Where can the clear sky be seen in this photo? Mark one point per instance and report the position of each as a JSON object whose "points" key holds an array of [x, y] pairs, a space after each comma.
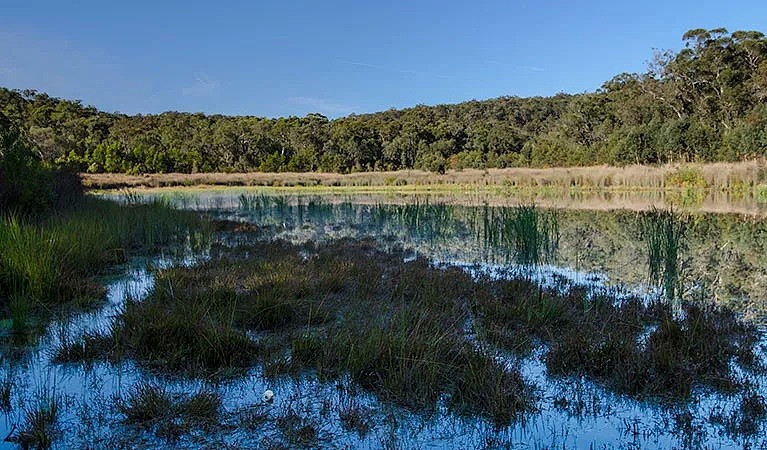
{"points": [[280, 58]]}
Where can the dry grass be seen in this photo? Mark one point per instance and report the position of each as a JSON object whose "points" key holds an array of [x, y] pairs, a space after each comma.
{"points": [[728, 176]]}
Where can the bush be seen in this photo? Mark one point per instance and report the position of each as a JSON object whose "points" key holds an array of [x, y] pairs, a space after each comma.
{"points": [[25, 185]]}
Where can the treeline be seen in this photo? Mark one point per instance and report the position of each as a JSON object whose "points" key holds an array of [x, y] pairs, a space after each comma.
{"points": [[707, 102], [28, 187]]}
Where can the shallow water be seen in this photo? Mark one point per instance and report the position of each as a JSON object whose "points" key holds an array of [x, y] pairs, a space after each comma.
{"points": [[723, 255], [602, 250]]}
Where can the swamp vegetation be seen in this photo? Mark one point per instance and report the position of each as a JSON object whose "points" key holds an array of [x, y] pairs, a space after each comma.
{"points": [[158, 321]]}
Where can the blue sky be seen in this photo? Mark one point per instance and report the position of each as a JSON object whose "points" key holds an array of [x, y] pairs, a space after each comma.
{"points": [[334, 57]]}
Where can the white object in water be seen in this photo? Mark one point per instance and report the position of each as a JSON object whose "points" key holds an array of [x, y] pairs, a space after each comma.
{"points": [[268, 395]]}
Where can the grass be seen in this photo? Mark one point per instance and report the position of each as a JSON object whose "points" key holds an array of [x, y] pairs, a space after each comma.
{"points": [[355, 417], [643, 350], [746, 420], [395, 327], [53, 259], [399, 330], [40, 426], [169, 415], [299, 430], [664, 233]]}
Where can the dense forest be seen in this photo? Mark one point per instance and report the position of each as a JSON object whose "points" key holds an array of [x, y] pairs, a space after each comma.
{"points": [[706, 102]]}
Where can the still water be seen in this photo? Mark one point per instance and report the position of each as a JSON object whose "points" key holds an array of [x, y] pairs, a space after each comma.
{"points": [[722, 256]]}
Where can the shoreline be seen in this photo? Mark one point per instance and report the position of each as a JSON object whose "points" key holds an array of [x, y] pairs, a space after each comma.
{"points": [[742, 176]]}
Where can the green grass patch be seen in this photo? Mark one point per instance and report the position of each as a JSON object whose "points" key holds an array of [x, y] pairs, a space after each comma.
{"points": [[53, 259]]}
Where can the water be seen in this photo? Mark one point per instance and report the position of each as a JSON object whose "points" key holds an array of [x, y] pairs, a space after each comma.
{"points": [[602, 250], [723, 254]]}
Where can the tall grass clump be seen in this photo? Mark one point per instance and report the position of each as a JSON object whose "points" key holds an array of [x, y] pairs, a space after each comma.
{"points": [[31, 262], [664, 232], [535, 235], [52, 259], [524, 232], [169, 415]]}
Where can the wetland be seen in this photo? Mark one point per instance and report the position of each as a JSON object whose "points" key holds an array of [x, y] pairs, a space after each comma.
{"points": [[398, 321]]}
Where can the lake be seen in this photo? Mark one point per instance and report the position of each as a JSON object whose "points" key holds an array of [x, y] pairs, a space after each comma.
{"points": [[587, 243]]}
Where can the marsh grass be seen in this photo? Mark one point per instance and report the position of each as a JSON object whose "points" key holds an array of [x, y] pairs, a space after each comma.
{"points": [[298, 429], [642, 349], [713, 176], [664, 233], [354, 416], [169, 415], [398, 330], [349, 309], [40, 426], [53, 259], [746, 420], [183, 336]]}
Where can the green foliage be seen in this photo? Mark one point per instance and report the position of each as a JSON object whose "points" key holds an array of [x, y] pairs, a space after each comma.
{"points": [[703, 103], [50, 259], [25, 186], [686, 178]]}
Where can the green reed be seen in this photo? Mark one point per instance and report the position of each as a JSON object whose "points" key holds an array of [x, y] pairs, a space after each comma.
{"points": [[52, 259], [664, 235]]}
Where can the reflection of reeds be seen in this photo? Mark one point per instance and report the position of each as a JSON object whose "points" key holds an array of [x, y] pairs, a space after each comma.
{"points": [[536, 236], [525, 232], [664, 231]]}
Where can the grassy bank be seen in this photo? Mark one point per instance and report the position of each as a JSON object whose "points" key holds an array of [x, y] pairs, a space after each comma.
{"points": [[54, 239], [744, 176], [53, 258]]}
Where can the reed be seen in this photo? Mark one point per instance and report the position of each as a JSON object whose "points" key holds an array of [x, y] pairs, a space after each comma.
{"points": [[664, 233], [51, 260]]}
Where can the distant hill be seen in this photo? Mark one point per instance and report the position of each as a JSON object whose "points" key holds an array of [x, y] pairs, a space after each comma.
{"points": [[707, 102]]}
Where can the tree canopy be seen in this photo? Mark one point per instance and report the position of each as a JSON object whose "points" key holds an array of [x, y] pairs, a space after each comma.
{"points": [[706, 102]]}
